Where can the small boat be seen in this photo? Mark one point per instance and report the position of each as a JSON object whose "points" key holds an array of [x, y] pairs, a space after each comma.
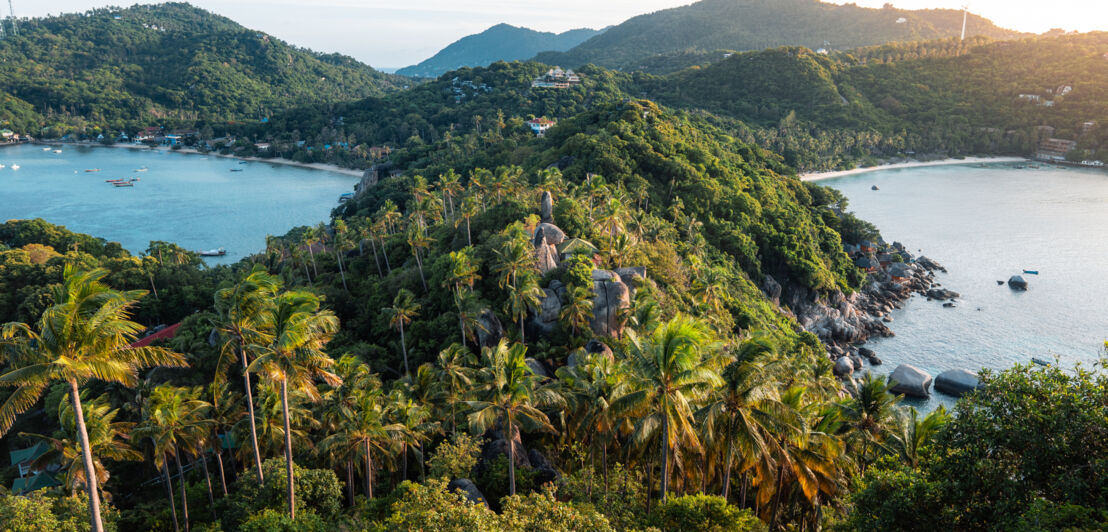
{"points": [[1, 166], [143, 169], [133, 179], [15, 167], [1031, 272], [236, 169], [123, 184], [114, 180], [213, 252], [91, 170], [243, 162], [46, 148], [1040, 361], [874, 187], [57, 151]]}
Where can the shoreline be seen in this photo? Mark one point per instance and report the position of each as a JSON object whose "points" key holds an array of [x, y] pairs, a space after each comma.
{"points": [[820, 176], [191, 151]]}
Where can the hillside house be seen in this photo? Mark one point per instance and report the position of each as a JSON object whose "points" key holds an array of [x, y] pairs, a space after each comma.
{"points": [[540, 125], [262, 146], [556, 78], [1033, 98], [1053, 149], [1063, 90]]}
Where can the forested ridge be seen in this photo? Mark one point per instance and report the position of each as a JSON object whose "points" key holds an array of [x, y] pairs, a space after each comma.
{"points": [[163, 65]]}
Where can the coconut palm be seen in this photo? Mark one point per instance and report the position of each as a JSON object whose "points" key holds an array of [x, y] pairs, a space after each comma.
{"points": [[403, 310], [414, 422], [523, 296], [468, 211], [451, 187], [665, 375], [242, 311], [176, 422], [363, 429], [294, 356], [588, 387], [454, 373], [871, 414], [108, 440], [460, 277], [419, 241], [84, 336], [226, 411], [577, 311], [511, 395], [271, 420], [340, 244], [912, 433]]}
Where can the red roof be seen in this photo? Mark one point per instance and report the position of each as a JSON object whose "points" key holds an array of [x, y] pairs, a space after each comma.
{"points": [[164, 334], [541, 121]]}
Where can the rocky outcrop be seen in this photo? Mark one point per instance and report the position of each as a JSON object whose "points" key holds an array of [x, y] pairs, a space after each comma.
{"points": [[1017, 282], [843, 367], [544, 472], [545, 321], [612, 297], [957, 382], [497, 445], [468, 489], [538, 368], [942, 294], [911, 381], [546, 207], [489, 329], [546, 239]]}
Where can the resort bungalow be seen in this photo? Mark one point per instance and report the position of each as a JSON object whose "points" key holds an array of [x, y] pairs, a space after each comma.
{"points": [[867, 247], [262, 146], [575, 246], [540, 125], [867, 264], [25, 485], [898, 271], [23, 458]]}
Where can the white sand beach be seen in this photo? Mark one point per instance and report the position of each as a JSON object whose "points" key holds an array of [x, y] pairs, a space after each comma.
{"points": [[818, 176]]}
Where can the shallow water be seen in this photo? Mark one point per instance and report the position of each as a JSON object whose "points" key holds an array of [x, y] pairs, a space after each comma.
{"points": [[195, 201], [985, 225]]}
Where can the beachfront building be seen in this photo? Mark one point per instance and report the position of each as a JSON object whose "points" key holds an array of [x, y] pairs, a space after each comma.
{"points": [[1053, 149]]}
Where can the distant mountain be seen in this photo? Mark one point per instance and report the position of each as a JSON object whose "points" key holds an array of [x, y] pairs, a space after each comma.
{"points": [[498, 43], [759, 24], [168, 64]]}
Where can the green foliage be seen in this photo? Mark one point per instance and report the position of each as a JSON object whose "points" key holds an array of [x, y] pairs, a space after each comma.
{"points": [[542, 512], [493, 481], [455, 458], [431, 508], [317, 490], [270, 520], [38, 511], [707, 513]]}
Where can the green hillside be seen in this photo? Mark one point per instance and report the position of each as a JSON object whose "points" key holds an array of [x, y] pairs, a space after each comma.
{"points": [[757, 24], [501, 42], [168, 63]]}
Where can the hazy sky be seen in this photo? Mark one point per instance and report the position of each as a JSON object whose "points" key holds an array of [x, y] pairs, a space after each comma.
{"points": [[390, 33]]}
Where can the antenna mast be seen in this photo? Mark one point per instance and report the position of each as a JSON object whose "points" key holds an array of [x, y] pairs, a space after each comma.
{"points": [[11, 10], [965, 9]]}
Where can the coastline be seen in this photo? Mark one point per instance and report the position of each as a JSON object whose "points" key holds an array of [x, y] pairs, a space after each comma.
{"points": [[819, 176], [190, 151]]}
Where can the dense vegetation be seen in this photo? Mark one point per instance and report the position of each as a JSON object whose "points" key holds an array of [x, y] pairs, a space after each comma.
{"points": [[165, 65], [757, 24], [501, 42]]}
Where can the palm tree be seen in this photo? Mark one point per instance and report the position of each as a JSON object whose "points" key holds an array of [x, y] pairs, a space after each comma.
{"points": [[665, 373], [468, 212], [308, 239], [341, 244], [294, 355], [913, 433], [108, 439], [176, 422], [511, 393], [461, 276], [588, 387], [418, 241], [453, 371], [870, 413], [413, 420], [84, 336], [242, 311], [577, 312], [451, 187], [523, 296], [403, 309], [363, 429], [226, 411]]}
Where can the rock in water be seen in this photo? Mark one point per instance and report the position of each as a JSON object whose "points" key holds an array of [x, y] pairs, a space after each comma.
{"points": [[874, 187], [546, 207], [957, 382], [1017, 282], [469, 489], [911, 380]]}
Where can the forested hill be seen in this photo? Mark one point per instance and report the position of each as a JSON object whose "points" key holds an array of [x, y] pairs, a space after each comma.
{"points": [[149, 65], [501, 42], [757, 24]]}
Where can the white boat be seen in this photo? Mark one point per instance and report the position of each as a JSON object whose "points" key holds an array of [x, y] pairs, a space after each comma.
{"points": [[57, 151], [15, 167], [213, 252], [1, 166], [46, 148], [143, 169]]}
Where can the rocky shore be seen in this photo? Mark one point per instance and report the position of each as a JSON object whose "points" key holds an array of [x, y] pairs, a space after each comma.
{"points": [[845, 321]]}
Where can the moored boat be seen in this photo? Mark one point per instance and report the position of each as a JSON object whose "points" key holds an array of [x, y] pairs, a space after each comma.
{"points": [[1031, 272], [1040, 361], [15, 167], [91, 170], [57, 151], [123, 184], [213, 252]]}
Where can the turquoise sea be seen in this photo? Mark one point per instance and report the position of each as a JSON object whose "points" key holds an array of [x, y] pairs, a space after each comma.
{"points": [[193, 200], [985, 224]]}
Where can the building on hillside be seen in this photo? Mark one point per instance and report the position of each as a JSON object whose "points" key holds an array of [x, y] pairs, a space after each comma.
{"points": [[540, 125], [23, 458], [1053, 149], [1034, 98], [262, 146], [1063, 90], [556, 78], [1088, 126], [6, 134]]}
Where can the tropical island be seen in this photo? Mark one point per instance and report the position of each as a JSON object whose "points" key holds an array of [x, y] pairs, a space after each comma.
{"points": [[637, 318]]}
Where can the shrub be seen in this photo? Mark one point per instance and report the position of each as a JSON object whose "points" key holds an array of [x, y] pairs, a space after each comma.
{"points": [[430, 508], [317, 490], [704, 513], [455, 458], [38, 511], [270, 520], [541, 512]]}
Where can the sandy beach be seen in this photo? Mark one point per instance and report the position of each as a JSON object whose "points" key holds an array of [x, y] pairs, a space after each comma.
{"points": [[190, 151], [818, 176]]}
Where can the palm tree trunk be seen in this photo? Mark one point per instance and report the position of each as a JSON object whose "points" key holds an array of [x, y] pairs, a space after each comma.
{"points": [[469, 235], [368, 471], [253, 423], [385, 253], [404, 461], [665, 454], [730, 455], [288, 447], [342, 271], [307, 273], [169, 491], [184, 487], [376, 260], [776, 497], [404, 348], [511, 459], [219, 462], [208, 480], [419, 264], [350, 482], [742, 490], [312, 254], [86, 457]]}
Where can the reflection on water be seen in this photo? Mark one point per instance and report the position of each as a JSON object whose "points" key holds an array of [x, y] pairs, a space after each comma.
{"points": [[193, 200]]}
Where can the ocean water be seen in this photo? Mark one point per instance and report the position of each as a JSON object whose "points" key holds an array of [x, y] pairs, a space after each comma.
{"points": [[985, 224], [193, 200]]}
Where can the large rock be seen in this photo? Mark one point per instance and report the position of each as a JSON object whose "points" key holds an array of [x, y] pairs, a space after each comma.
{"points": [[468, 489], [497, 445], [544, 472], [546, 258], [545, 321], [1017, 282], [957, 382], [489, 329], [612, 297], [546, 207], [941, 294], [596, 347], [631, 272], [911, 380], [844, 367], [538, 368], [551, 233]]}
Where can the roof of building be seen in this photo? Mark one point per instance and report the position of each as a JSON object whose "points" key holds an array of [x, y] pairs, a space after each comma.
{"points": [[577, 245], [32, 483], [164, 334], [30, 453], [541, 121]]}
